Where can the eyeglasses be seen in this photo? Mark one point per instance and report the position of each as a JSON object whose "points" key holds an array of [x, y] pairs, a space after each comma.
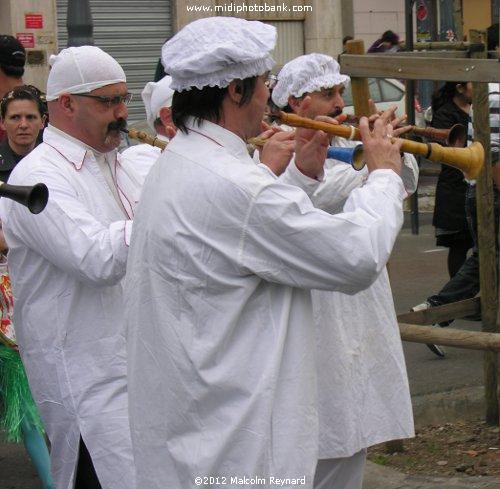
{"points": [[109, 101], [271, 81]]}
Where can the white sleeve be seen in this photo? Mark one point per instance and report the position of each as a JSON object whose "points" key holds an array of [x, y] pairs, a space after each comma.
{"points": [[285, 239], [68, 235], [409, 173]]}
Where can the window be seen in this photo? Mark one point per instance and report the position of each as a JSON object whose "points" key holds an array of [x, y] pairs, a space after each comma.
{"points": [[390, 92]]}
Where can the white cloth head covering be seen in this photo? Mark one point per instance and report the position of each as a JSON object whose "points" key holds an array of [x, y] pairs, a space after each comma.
{"points": [[81, 70], [155, 96], [217, 50], [307, 74]]}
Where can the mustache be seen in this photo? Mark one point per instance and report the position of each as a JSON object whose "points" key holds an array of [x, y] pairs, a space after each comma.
{"points": [[118, 125], [336, 112]]}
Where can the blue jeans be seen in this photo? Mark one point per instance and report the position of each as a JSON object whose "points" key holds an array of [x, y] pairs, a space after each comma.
{"points": [[465, 284]]}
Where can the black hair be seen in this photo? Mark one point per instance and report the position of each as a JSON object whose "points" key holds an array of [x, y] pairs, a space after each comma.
{"points": [[12, 56], [492, 34], [445, 94], [390, 36], [206, 103], [24, 92], [347, 38]]}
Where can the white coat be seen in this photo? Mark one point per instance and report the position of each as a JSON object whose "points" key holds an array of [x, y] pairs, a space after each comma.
{"points": [[66, 266], [139, 159], [222, 380], [363, 391]]}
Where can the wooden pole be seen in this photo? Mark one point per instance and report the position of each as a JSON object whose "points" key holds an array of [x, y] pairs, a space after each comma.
{"points": [[471, 340], [486, 237], [359, 86]]}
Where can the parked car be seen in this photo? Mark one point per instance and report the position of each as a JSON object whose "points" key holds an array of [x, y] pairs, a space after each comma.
{"points": [[385, 93]]}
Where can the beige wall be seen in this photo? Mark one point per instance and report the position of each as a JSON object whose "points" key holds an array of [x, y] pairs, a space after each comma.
{"points": [[373, 17], [322, 26], [13, 22], [477, 14]]}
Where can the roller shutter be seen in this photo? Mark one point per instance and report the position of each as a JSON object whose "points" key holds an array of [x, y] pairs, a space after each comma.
{"points": [[132, 31]]}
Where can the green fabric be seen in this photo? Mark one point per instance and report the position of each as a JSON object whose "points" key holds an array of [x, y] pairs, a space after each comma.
{"points": [[17, 405]]}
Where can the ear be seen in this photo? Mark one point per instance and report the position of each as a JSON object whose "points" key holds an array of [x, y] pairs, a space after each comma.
{"points": [[235, 91], [66, 103], [166, 116], [295, 103]]}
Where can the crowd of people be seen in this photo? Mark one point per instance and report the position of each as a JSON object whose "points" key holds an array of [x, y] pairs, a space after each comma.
{"points": [[198, 316]]}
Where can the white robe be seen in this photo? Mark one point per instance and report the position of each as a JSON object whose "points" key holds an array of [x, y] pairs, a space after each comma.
{"points": [[139, 159], [221, 343], [363, 391], [66, 266]]}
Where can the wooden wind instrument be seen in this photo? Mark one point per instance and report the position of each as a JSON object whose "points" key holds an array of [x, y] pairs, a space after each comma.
{"points": [[146, 138], [470, 160]]}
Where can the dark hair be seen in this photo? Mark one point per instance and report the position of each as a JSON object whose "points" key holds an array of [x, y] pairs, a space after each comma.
{"points": [[390, 36], [445, 94], [492, 34], [206, 103], [24, 92], [347, 38], [12, 56]]}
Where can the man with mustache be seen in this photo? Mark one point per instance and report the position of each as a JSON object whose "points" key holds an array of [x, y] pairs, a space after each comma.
{"points": [[358, 347], [67, 264]]}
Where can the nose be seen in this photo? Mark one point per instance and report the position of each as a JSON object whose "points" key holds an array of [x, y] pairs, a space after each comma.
{"points": [[339, 101], [121, 111], [23, 122]]}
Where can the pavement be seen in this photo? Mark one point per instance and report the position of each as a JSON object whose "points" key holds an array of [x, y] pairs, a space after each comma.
{"points": [[442, 389]]}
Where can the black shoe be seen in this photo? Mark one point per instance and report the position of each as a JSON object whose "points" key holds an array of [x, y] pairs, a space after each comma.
{"points": [[436, 349]]}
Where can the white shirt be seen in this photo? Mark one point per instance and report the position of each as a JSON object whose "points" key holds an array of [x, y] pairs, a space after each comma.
{"points": [[221, 343], [66, 266]]}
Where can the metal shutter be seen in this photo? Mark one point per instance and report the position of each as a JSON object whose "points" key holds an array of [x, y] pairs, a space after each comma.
{"points": [[290, 41], [132, 31]]}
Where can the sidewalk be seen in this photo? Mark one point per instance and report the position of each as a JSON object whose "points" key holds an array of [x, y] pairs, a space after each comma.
{"points": [[380, 477]]}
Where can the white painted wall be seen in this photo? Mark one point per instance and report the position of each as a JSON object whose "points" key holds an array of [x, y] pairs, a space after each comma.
{"points": [[373, 17]]}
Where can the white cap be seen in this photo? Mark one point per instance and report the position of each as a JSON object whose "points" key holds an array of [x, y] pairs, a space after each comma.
{"points": [[307, 74], [155, 96], [81, 70], [217, 50]]}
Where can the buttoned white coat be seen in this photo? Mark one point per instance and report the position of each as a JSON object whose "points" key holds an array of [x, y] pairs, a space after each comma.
{"points": [[66, 266], [221, 341]]}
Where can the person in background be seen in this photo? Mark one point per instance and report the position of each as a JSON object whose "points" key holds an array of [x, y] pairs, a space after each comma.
{"points": [[12, 61], [22, 119], [465, 282], [388, 42], [157, 98]]}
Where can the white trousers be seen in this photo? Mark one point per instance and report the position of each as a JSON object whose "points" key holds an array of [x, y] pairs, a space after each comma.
{"points": [[341, 473]]}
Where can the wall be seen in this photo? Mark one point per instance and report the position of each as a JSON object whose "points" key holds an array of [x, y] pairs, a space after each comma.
{"points": [[44, 39], [477, 14]]}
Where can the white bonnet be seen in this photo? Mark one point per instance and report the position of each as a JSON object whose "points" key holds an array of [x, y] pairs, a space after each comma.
{"points": [[306, 74], [217, 50]]}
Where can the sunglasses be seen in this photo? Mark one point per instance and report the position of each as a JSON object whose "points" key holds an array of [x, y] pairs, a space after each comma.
{"points": [[108, 101]]}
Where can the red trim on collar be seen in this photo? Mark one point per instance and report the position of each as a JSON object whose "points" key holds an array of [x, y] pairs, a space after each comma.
{"points": [[115, 181], [208, 137], [78, 168]]}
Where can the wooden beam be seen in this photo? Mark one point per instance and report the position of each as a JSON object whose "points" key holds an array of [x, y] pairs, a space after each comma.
{"points": [[446, 312], [428, 54], [471, 340], [486, 236], [441, 45], [359, 86], [414, 68]]}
